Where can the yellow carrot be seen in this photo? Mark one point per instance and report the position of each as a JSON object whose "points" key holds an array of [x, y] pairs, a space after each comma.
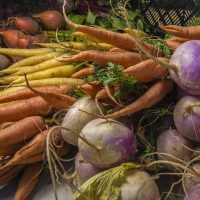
{"points": [[78, 45], [84, 37], [8, 79], [56, 72], [26, 52], [54, 62], [54, 81], [33, 60]]}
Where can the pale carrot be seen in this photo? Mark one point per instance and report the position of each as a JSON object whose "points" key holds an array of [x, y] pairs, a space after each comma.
{"points": [[116, 49], [56, 72], [147, 71], [102, 94], [21, 130], [27, 52], [28, 181], [152, 96]]}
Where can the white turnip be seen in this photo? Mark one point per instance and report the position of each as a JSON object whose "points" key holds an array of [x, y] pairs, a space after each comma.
{"points": [[115, 143]]}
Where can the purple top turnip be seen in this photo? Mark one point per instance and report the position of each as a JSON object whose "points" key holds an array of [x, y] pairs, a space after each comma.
{"points": [[172, 142], [187, 59], [187, 117], [194, 193], [115, 143], [84, 170]]}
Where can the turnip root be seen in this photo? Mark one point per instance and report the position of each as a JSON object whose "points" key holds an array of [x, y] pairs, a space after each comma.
{"points": [[84, 170], [187, 117], [173, 143], [115, 143], [124, 182], [76, 119]]}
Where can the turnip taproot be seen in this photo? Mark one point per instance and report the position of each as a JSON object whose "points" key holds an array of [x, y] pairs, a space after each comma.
{"points": [[76, 118], [115, 143], [187, 117]]}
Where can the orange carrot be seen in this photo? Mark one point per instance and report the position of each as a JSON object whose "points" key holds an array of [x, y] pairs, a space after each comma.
{"points": [[10, 150], [125, 59], [192, 32], [83, 72], [172, 44], [24, 108], [9, 173], [26, 93], [28, 181], [120, 40], [152, 96], [102, 94], [147, 70], [54, 99], [21, 130], [178, 39], [90, 90]]}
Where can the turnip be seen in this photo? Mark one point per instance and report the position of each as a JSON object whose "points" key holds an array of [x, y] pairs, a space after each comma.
{"points": [[187, 117], [192, 180], [84, 170], [120, 183], [76, 119], [173, 143], [115, 143], [194, 193]]}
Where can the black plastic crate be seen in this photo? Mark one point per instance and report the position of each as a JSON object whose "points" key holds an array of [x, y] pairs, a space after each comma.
{"points": [[168, 12]]}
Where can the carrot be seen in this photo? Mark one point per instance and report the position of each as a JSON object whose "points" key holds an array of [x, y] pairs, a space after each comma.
{"points": [[33, 60], [9, 173], [73, 82], [90, 90], [4, 80], [28, 181], [147, 71], [10, 150], [54, 62], [21, 130], [61, 151], [116, 49], [56, 72], [83, 37], [192, 32], [26, 52], [152, 96], [124, 59], [77, 45], [55, 99], [102, 94], [172, 44], [26, 93], [24, 108], [87, 71], [178, 39], [120, 40]]}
